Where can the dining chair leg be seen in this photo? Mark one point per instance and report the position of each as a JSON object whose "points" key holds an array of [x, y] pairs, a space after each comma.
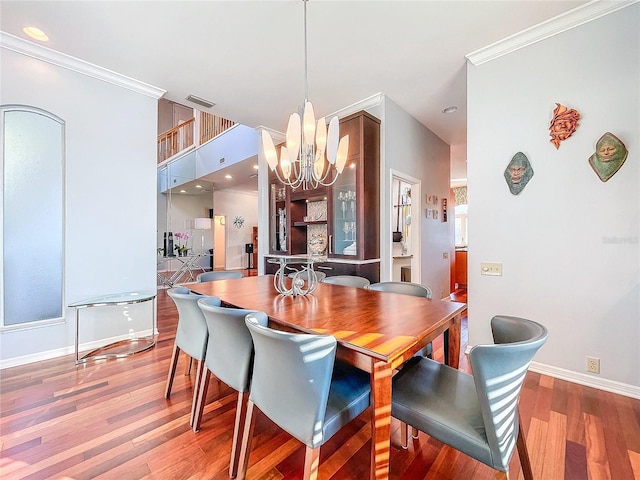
{"points": [[245, 448], [172, 370], [414, 432], [523, 453], [238, 429], [404, 435], [311, 463], [187, 367], [196, 386], [445, 344], [201, 400]]}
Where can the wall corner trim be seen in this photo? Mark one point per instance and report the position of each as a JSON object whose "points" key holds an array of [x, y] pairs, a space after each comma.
{"points": [[24, 47], [554, 26]]}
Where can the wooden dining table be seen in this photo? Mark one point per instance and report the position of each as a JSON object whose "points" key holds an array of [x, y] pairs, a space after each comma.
{"points": [[376, 332]]}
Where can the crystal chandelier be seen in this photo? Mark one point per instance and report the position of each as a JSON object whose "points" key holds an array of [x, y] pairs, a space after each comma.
{"points": [[313, 156]]}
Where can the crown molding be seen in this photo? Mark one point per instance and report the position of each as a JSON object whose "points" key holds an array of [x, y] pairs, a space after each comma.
{"points": [[364, 104], [44, 54], [566, 21]]}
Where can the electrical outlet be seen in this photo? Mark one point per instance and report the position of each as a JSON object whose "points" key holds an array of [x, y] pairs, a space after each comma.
{"points": [[593, 365]]}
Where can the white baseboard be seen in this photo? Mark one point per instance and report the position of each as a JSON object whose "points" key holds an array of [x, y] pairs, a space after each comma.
{"points": [[582, 379], [587, 380], [69, 350]]}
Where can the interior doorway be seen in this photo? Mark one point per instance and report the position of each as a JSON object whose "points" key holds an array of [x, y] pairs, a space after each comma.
{"points": [[219, 242], [406, 230]]}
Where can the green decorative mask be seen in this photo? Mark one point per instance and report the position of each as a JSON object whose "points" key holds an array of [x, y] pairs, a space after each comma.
{"points": [[609, 156], [518, 173]]}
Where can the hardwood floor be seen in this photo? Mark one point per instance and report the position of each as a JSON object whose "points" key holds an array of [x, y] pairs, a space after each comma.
{"points": [[110, 420]]}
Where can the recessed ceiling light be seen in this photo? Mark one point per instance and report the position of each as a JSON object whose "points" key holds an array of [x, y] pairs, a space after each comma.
{"points": [[451, 109], [183, 191], [36, 33], [198, 186], [255, 167], [228, 177]]}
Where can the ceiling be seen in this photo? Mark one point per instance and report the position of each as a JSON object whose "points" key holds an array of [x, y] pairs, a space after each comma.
{"points": [[248, 56]]}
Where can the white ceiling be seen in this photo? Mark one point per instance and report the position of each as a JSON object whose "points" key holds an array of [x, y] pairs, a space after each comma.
{"points": [[248, 56]]}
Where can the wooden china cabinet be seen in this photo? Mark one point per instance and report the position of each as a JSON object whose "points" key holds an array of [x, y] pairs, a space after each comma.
{"points": [[345, 216]]}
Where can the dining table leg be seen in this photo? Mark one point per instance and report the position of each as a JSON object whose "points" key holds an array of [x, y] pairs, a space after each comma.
{"points": [[381, 373], [455, 331]]}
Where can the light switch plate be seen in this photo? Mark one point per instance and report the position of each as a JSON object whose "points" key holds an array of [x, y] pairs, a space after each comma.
{"points": [[491, 268]]}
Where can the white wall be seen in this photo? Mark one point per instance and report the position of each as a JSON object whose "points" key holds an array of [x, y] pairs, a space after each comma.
{"points": [[409, 147], [110, 193], [234, 204], [568, 242]]}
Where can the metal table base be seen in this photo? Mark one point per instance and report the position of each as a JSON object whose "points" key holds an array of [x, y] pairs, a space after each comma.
{"points": [[117, 299]]}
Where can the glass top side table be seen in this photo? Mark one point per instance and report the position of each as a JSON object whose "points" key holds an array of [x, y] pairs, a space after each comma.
{"points": [[139, 344], [304, 280]]}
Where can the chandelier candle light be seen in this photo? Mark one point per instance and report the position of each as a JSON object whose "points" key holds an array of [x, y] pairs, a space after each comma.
{"points": [[302, 161]]}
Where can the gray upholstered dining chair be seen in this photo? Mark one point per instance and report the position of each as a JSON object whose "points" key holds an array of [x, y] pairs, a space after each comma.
{"points": [[191, 336], [477, 415], [301, 387], [230, 358], [218, 275], [348, 280], [408, 288], [405, 288], [303, 275]]}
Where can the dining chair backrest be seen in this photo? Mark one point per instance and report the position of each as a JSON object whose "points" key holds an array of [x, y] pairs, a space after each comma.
{"points": [[475, 414], [415, 290], [191, 333], [230, 347], [291, 379], [218, 275], [404, 288], [304, 275], [300, 386], [348, 280], [499, 371]]}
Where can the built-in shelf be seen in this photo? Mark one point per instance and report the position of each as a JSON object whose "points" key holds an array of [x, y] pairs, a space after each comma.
{"points": [[304, 224]]}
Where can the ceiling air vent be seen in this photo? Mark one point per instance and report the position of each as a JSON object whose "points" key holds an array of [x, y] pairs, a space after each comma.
{"points": [[200, 101]]}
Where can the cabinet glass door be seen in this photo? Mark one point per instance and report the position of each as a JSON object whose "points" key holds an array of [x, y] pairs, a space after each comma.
{"points": [[345, 213], [278, 223]]}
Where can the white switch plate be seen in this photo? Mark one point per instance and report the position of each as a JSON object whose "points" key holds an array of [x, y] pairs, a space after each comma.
{"points": [[491, 268]]}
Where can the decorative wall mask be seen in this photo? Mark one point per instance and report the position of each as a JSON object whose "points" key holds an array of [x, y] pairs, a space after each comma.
{"points": [[609, 156], [563, 124], [518, 173]]}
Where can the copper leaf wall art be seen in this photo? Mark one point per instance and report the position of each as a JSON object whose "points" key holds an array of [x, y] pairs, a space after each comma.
{"points": [[563, 124]]}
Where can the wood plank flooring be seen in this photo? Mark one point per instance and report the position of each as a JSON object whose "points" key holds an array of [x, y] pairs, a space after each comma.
{"points": [[110, 420]]}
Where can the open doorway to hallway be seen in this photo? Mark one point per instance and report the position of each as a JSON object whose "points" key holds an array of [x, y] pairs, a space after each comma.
{"points": [[406, 231]]}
